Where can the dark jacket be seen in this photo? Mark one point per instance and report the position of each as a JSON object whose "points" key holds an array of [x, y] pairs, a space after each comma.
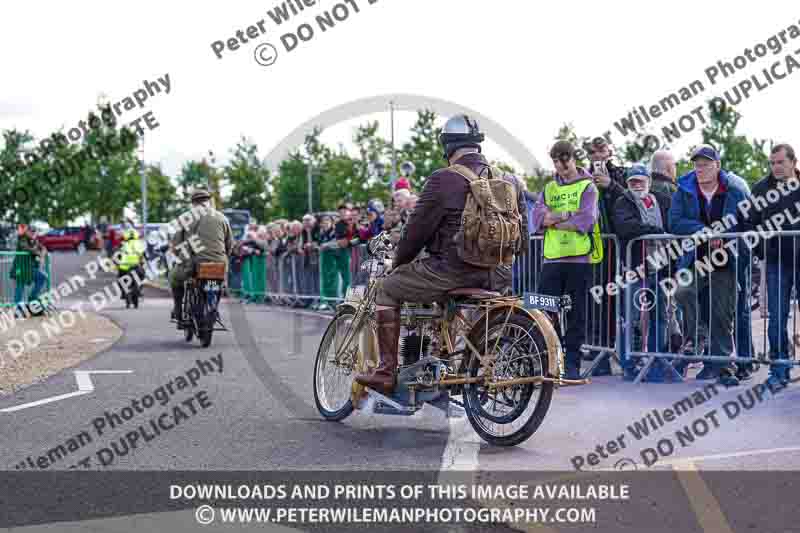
{"points": [[662, 184], [436, 217], [310, 237], [628, 220], [345, 232], [327, 241], [607, 198], [617, 174], [776, 247]]}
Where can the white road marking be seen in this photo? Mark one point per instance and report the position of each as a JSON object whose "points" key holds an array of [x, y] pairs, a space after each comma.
{"points": [[85, 386], [463, 446], [732, 455]]}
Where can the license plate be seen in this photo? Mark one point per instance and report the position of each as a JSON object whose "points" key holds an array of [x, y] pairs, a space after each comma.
{"points": [[355, 294], [542, 302], [212, 285]]}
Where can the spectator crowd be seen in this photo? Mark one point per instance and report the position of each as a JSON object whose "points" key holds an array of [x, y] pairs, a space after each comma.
{"points": [[320, 254], [318, 257]]}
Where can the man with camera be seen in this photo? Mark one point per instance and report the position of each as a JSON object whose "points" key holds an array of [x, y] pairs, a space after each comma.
{"points": [[610, 181]]}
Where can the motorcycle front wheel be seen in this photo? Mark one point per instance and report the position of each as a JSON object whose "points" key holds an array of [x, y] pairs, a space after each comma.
{"points": [[333, 377]]}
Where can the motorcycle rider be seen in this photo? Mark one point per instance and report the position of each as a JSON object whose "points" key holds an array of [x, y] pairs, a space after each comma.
{"points": [[213, 231], [432, 225], [132, 253]]}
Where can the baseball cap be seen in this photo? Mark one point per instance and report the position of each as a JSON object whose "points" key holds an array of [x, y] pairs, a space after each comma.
{"points": [[637, 171], [599, 142], [707, 151]]}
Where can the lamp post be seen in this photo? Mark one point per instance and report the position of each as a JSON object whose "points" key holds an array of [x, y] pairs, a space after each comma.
{"points": [[310, 185], [394, 153], [144, 187]]}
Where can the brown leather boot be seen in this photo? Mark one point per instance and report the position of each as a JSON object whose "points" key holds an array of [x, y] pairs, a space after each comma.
{"points": [[383, 378]]}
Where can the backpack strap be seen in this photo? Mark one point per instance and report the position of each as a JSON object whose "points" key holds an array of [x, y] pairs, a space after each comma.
{"points": [[465, 172]]}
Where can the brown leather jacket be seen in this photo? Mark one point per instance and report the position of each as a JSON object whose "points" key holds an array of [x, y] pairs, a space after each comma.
{"points": [[437, 216]]}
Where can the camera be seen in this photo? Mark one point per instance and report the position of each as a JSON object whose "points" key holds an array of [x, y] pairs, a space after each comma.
{"points": [[598, 167]]}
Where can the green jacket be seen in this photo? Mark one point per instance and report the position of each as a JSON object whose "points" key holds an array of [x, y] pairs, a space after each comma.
{"points": [[213, 232], [26, 261]]}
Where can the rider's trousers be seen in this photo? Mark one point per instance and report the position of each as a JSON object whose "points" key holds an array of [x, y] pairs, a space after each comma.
{"points": [[430, 279]]}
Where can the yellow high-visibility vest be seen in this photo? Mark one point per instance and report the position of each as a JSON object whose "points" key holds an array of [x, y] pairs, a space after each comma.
{"points": [[558, 243], [132, 251]]}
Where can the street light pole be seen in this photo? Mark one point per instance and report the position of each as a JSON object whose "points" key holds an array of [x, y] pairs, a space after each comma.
{"points": [[144, 188], [310, 186], [394, 154]]}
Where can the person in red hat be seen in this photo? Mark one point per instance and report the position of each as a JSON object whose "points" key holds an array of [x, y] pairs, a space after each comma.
{"points": [[402, 183]]}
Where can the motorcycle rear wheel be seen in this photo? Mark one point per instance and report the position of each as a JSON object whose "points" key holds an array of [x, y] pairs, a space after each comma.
{"points": [[521, 352]]}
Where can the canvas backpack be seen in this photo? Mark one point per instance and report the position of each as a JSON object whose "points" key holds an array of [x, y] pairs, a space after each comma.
{"points": [[489, 235]]}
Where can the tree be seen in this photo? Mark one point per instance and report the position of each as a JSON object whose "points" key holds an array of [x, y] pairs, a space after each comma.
{"points": [[749, 160], [423, 149], [292, 187], [162, 201], [61, 180], [13, 192], [336, 182], [641, 149], [201, 174], [372, 150], [249, 178], [108, 180]]}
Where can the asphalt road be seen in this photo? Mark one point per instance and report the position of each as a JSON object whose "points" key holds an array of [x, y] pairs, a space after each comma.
{"points": [[258, 413]]}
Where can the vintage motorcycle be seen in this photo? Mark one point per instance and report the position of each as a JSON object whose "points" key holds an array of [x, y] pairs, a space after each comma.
{"points": [[201, 299], [131, 290], [500, 354]]}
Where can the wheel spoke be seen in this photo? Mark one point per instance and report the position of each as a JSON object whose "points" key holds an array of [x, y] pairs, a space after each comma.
{"points": [[505, 411]]}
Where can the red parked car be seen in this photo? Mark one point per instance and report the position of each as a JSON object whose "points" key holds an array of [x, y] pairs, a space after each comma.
{"points": [[69, 239], [114, 233]]}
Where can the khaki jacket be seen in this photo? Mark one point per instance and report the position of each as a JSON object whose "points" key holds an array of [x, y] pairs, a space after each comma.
{"points": [[213, 232]]}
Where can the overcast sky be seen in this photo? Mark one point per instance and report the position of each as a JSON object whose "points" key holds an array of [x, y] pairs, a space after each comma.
{"points": [[529, 66]]}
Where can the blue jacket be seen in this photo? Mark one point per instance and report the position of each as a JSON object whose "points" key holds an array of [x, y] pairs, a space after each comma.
{"points": [[684, 213]]}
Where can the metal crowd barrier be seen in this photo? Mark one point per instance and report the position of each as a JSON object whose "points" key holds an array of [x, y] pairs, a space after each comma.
{"points": [[603, 319], [17, 277], [731, 304], [288, 287], [254, 278]]}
